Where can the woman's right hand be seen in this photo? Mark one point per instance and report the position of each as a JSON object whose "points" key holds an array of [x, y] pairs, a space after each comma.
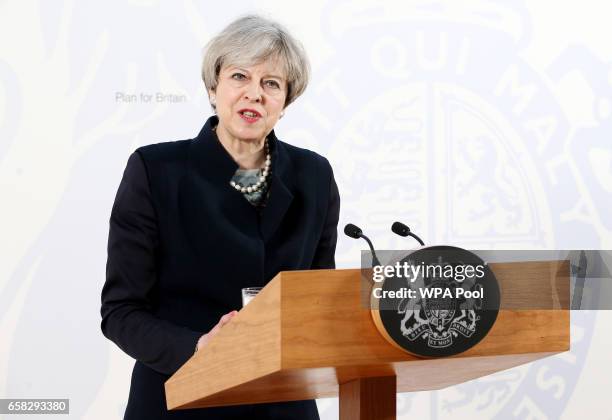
{"points": [[206, 337]]}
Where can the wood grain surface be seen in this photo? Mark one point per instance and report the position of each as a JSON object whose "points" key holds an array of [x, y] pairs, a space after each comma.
{"points": [[308, 331]]}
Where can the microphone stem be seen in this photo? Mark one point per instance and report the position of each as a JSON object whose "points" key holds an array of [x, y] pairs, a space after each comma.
{"points": [[417, 238], [375, 261]]}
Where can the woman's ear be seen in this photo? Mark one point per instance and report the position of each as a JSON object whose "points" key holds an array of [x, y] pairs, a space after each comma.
{"points": [[212, 98]]}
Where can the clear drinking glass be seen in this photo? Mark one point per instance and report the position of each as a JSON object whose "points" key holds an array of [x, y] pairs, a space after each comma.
{"points": [[249, 293]]}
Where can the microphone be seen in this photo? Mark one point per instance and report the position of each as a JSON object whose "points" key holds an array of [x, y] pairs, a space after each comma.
{"points": [[355, 232], [403, 230]]}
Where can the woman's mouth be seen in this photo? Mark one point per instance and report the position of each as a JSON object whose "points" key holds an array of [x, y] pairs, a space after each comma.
{"points": [[249, 115]]}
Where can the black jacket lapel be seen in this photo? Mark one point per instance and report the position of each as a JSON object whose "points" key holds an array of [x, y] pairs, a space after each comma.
{"points": [[213, 162], [281, 188]]}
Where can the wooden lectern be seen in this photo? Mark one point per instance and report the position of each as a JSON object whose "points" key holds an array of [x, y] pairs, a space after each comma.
{"points": [[307, 335]]}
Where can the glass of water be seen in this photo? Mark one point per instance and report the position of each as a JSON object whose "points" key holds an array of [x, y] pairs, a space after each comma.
{"points": [[249, 293]]}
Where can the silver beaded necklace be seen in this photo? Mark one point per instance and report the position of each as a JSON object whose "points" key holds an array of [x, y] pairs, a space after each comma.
{"points": [[262, 179]]}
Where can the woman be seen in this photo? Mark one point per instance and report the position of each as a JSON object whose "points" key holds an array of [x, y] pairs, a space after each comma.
{"points": [[195, 221]]}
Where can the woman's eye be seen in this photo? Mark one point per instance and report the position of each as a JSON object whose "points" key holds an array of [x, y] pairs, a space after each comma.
{"points": [[238, 76], [272, 84]]}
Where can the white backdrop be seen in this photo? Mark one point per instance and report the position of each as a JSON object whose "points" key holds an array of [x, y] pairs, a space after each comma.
{"points": [[479, 124]]}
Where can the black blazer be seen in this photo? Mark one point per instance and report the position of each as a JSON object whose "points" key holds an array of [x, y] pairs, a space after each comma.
{"points": [[183, 243]]}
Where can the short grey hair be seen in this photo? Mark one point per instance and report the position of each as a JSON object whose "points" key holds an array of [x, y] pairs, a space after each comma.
{"points": [[250, 40]]}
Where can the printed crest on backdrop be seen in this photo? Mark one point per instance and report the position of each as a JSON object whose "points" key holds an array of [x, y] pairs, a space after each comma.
{"points": [[449, 126], [446, 312]]}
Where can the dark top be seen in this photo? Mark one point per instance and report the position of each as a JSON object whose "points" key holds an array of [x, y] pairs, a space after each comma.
{"points": [[249, 177], [183, 243]]}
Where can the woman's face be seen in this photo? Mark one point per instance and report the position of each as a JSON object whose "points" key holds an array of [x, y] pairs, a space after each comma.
{"points": [[249, 100]]}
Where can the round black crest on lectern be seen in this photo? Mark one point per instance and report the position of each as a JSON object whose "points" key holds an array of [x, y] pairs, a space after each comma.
{"points": [[450, 307]]}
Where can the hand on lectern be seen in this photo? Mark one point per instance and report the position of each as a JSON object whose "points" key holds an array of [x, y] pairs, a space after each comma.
{"points": [[206, 337]]}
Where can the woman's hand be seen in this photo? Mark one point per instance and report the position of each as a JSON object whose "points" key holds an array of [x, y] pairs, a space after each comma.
{"points": [[206, 337]]}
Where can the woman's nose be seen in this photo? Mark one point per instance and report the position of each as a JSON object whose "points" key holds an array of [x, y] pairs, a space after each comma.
{"points": [[253, 92]]}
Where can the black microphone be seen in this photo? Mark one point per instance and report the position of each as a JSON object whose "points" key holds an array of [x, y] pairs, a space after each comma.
{"points": [[355, 232], [403, 230]]}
